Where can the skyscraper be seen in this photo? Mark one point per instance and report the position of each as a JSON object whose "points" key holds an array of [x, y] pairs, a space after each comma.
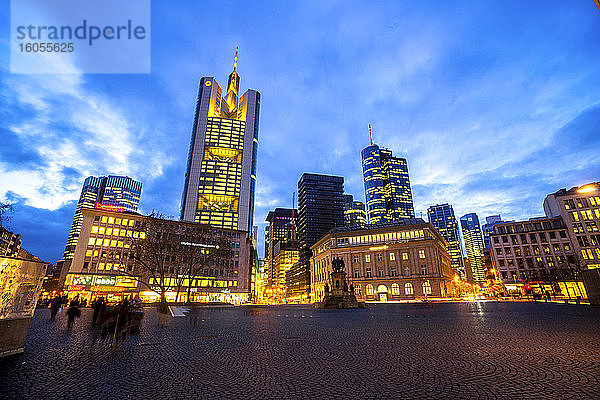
{"points": [[281, 237], [354, 212], [320, 209], [107, 192], [442, 217], [387, 185], [221, 169], [469, 224]]}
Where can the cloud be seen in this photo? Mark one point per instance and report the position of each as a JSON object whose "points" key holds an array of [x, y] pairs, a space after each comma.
{"points": [[65, 131]]}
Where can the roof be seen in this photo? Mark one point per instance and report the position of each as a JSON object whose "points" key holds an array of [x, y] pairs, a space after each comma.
{"points": [[381, 225]]}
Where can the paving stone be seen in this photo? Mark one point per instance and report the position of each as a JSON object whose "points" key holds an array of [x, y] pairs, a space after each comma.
{"points": [[485, 350]]}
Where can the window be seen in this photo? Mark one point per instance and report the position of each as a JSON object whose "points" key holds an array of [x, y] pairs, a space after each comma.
{"points": [[101, 230], [379, 257], [111, 220], [356, 273], [405, 256], [104, 219], [426, 287], [91, 241], [406, 271], [355, 259], [395, 289], [495, 238], [369, 273], [421, 253], [393, 271], [392, 256], [94, 229], [88, 253], [499, 251], [370, 289], [552, 235], [380, 272], [408, 288], [367, 258], [424, 269]]}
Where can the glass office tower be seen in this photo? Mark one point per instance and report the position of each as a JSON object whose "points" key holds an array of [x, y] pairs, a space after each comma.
{"points": [[387, 185], [120, 192], [221, 168], [471, 230], [442, 217], [354, 212]]}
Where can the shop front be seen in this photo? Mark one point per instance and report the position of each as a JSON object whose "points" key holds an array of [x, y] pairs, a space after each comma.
{"points": [[88, 287]]}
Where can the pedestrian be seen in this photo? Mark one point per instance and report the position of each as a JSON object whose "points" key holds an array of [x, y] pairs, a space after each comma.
{"points": [[55, 305], [72, 313], [97, 305]]}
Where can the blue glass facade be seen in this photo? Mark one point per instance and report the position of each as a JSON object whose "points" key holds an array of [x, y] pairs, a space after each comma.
{"points": [[471, 230], [387, 186], [442, 217]]}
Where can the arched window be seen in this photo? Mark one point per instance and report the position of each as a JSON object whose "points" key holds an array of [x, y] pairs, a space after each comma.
{"points": [[395, 289], [408, 288], [382, 289], [369, 289], [426, 287]]}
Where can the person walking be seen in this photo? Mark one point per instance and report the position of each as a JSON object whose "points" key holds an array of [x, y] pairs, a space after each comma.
{"points": [[72, 313], [98, 306], [55, 307]]}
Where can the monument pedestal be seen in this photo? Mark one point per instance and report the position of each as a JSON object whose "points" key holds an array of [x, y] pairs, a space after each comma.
{"points": [[340, 295]]}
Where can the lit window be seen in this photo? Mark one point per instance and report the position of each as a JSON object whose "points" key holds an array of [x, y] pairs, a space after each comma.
{"points": [[91, 241], [392, 256], [101, 230], [125, 221], [369, 289], [98, 242], [408, 288], [94, 229], [88, 253], [101, 266], [106, 242], [395, 289], [426, 287], [109, 231], [104, 219], [367, 257], [131, 222], [111, 220], [421, 253], [142, 235], [405, 256]]}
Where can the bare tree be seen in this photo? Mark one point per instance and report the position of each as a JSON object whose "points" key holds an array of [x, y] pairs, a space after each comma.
{"points": [[5, 209], [169, 255]]}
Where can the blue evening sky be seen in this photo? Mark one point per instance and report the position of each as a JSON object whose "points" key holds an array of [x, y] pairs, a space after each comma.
{"points": [[494, 103]]}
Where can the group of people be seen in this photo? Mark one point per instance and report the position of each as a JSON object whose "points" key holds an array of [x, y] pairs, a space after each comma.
{"points": [[72, 312], [119, 319]]}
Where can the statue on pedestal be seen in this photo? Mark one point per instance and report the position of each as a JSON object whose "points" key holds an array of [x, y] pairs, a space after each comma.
{"points": [[340, 295]]}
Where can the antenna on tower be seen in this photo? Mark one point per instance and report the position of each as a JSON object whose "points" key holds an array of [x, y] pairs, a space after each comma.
{"points": [[370, 134], [235, 59]]}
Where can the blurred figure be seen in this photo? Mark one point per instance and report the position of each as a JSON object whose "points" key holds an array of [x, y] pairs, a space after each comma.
{"points": [[72, 313], [98, 305], [55, 305]]}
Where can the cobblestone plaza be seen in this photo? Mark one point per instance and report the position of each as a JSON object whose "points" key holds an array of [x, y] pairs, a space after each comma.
{"points": [[426, 351]]}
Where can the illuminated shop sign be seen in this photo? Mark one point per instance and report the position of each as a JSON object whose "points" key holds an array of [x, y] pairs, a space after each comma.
{"points": [[105, 289], [105, 280], [108, 207], [199, 245], [75, 288], [126, 281], [82, 280]]}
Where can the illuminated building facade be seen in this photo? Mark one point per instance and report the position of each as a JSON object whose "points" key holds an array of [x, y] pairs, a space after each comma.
{"points": [[399, 260], [281, 236], [221, 168], [103, 264], [579, 207], [471, 230], [320, 209], [387, 185], [442, 217], [534, 252], [119, 192], [354, 212]]}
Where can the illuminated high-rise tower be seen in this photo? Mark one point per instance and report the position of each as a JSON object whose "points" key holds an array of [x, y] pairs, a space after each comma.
{"points": [[221, 166], [113, 192], [442, 217], [387, 186], [471, 230]]}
